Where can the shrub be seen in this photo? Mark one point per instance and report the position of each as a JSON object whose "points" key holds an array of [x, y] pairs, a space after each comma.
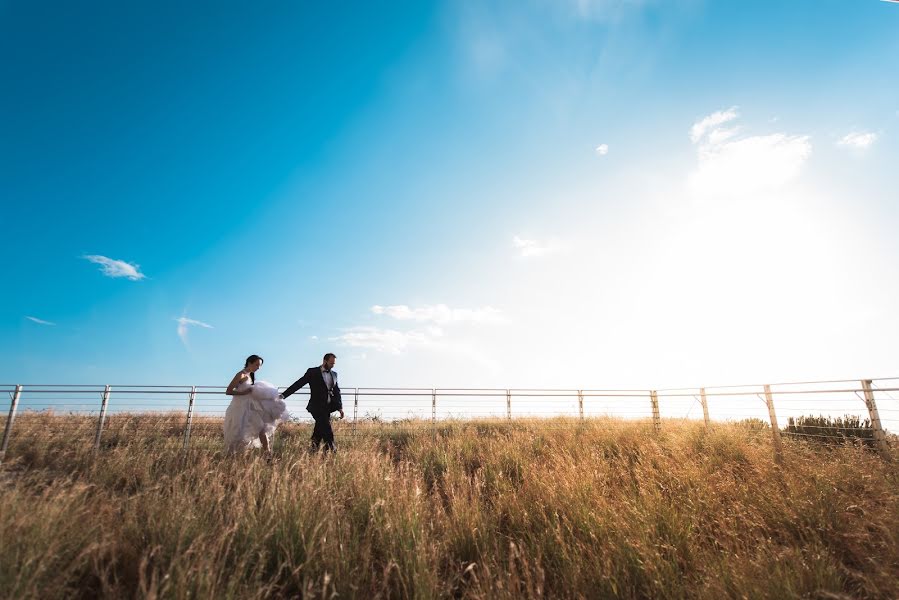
{"points": [[829, 430]]}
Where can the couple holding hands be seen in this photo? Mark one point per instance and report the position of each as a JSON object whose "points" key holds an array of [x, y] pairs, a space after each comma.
{"points": [[257, 407]]}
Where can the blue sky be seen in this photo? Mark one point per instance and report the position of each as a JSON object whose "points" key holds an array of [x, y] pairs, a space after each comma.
{"points": [[567, 194]]}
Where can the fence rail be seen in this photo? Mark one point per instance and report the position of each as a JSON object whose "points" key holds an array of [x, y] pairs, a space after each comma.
{"points": [[866, 409]]}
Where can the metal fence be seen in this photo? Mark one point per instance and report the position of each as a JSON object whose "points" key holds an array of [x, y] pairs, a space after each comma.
{"points": [[861, 410]]}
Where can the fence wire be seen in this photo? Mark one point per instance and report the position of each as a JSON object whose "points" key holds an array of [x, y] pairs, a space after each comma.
{"points": [[862, 411]]}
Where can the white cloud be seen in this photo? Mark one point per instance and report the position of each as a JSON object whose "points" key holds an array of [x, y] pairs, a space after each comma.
{"points": [[116, 268], [388, 340], [40, 321], [711, 122], [861, 140], [530, 247], [602, 149], [439, 313], [730, 164], [429, 333], [184, 323], [718, 136], [413, 344]]}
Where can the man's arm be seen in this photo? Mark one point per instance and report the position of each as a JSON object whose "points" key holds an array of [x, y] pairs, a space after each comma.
{"points": [[296, 385], [336, 402]]}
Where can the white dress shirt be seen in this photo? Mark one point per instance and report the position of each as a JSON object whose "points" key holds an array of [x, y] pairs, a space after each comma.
{"points": [[329, 382]]}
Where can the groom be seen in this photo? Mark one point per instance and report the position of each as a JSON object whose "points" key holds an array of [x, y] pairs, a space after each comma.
{"points": [[324, 398]]}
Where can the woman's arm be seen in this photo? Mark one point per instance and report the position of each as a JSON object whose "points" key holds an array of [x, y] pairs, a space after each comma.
{"points": [[231, 390]]}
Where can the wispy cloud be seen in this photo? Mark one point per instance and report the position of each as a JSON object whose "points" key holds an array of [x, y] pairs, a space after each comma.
{"points": [[528, 248], [116, 268], [602, 150], [432, 323], [712, 122], [184, 323], [390, 341], [430, 338], [40, 321], [860, 140], [439, 313], [734, 164]]}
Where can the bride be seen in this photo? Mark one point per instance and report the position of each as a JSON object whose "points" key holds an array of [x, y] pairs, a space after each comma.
{"points": [[255, 410]]}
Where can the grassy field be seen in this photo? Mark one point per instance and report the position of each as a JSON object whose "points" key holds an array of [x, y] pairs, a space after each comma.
{"points": [[511, 509]]}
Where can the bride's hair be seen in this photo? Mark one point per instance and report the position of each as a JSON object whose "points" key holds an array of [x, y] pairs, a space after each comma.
{"points": [[253, 358]]}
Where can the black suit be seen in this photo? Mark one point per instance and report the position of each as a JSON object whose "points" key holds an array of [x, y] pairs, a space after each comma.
{"points": [[322, 402]]}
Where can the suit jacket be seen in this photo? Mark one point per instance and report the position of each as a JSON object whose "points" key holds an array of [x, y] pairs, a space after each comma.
{"points": [[318, 391]]}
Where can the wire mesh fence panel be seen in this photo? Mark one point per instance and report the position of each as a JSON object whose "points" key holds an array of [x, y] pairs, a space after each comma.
{"points": [[544, 403], [813, 413], [463, 403], [617, 406], [155, 416], [394, 406], [745, 404], [61, 417], [684, 404]]}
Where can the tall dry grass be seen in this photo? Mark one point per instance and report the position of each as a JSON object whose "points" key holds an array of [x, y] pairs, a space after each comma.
{"points": [[516, 509]]}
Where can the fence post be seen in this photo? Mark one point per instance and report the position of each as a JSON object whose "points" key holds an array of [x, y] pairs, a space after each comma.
{"points": [[434, 412], [775, 429], [355, 407], [880, 438], [103, 404], [656, 418], [508, 404], [705, 407], [190, 415], [12, 417], [580, 403]]}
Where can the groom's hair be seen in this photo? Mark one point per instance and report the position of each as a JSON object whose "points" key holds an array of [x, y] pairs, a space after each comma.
{"points": [[329, 355]]}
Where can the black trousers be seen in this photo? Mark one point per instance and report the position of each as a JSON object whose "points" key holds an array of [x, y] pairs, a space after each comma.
{"points": [[322, 432]]}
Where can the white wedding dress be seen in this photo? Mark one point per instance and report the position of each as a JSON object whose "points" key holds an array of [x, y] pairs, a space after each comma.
{"points": [[248, 415]]}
